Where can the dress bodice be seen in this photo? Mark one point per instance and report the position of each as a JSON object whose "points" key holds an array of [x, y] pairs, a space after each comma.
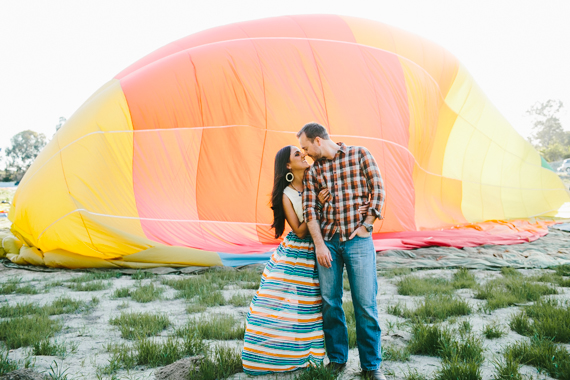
{"points": [[296, 200]]}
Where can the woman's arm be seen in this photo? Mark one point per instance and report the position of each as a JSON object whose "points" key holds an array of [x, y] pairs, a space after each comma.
{"points": [[300, 229]]}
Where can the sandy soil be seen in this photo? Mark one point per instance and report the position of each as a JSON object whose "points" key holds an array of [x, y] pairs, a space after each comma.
{"points": [[91, 331]]}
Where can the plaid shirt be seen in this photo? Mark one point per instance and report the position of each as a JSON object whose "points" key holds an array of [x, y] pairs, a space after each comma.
{"points": [[352, 178]]}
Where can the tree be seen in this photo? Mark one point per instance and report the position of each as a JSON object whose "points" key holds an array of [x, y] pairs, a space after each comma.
{"points": [[555, 152], [25, 148], [547, 128]]}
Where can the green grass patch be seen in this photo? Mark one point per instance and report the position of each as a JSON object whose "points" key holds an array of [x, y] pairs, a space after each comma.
{"points": [[27, 330], [194, 308], [562, 270], [142, 275], [507, 369], [510, 272], [146, 293], [91, 286], [548, 318], [433, 309], [415, 286], [215, 327], [122, 292], [455, 370], [394, 272], [6, 364], [413, 374], [138, 324], [463, 279], [150, 352], [511, 290], [317, 372], [61, 305], [88, 277], [240, 300], [14, 286], [542, 354], [394, 354], [428, 339], [493, 330], [350, 318], [220, 363], [46, 347], [215, 298]]}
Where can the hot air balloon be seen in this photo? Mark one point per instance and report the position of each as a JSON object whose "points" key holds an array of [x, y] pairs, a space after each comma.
{"points": [[171, 161]]}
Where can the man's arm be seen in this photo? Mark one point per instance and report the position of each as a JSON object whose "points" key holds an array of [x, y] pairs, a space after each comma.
{"points": [[309, 204], [375, 188]]}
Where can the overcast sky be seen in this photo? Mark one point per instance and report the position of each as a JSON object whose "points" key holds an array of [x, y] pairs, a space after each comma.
{"points": [[55, 54]]}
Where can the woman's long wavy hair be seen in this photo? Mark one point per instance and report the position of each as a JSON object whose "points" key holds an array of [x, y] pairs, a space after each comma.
{"points": [[279, 184]]}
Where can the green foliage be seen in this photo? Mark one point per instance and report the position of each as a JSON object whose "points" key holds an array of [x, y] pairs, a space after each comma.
{"points": [[240, 300], [543, 354], [56, 373], [317, 372], [548, 318], [512, 289], [562, 270], [25, 147], [122, 292], [433, 309], [93, 276], [394, 354], [428, 340], [25, 331], [194, 308], [507, 369], [6, 365], [350, 318], [221, 363], [394, 272], [146, 293], [142, 275], [493, 330], [91, 286], [415, 286], [138, 324], [414, 375], [48, 348], [455, 370], [14, 286], [219, 326], [463, 279]]}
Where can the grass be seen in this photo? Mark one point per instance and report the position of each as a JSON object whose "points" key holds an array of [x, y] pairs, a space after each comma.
{"points": [[394, 354], [146, 293], [414, 375], [493, 330], [510, 290], [350, 318], [46, 347], [317, 372], [548, 318], [562, 270], [542, 354], [220, 363], [61, 305], [507, 369], [138, 324], [433, 309], [142, 275], [416, 286], [218, 327], [553, 278], [6, 365], [394, 272], [14, 286], [462, 358], [94, 276], [91, 286], [193, 308], [122, 292], [27, 330], [240, 300]]}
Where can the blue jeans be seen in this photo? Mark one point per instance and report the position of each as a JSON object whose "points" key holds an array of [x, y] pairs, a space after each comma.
{"points": [[359, 257]]}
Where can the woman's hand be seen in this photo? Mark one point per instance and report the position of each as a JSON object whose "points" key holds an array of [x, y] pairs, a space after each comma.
{"points": [[325, 195], [363, 210]]}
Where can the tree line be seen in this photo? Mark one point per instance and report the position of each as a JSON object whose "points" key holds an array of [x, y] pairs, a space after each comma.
{"points": [[548, 136]]}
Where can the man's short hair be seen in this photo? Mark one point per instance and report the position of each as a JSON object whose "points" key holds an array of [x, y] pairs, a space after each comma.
{"points": [[312, 130]]}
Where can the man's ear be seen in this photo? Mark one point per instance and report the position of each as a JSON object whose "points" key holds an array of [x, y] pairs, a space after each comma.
{"points": [[318, 140], [288, 166]]}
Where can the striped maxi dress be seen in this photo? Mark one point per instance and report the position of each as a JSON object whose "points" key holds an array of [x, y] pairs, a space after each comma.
{"points": [[284, 329]]}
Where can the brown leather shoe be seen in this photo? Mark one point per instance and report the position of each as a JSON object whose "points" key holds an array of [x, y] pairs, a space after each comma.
{"points": [[336, 367], [375, 374]]}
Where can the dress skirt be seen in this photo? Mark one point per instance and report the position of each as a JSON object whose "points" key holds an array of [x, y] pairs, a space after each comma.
{"points": [[284, 327]]}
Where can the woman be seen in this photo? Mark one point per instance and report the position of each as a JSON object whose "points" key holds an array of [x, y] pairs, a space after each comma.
{"points": [[284, 324]]}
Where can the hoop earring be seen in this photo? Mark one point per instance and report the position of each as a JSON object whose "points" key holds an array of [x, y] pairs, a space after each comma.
{"points": [[289, 177]]}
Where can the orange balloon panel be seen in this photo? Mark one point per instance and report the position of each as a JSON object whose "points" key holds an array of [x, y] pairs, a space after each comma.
{"points": [[171, 162]]}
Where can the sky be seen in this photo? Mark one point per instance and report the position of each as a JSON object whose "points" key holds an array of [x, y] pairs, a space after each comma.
{"points": [[55, 54]]}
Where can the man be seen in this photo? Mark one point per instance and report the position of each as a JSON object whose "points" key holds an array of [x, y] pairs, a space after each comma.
{"points": [[342, 238]]}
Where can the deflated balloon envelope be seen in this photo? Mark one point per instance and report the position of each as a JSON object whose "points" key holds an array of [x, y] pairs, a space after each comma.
{"points": [[171, 162]]}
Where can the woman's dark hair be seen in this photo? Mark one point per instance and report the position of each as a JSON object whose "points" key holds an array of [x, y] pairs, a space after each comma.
{"points": [[279, 184]]}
